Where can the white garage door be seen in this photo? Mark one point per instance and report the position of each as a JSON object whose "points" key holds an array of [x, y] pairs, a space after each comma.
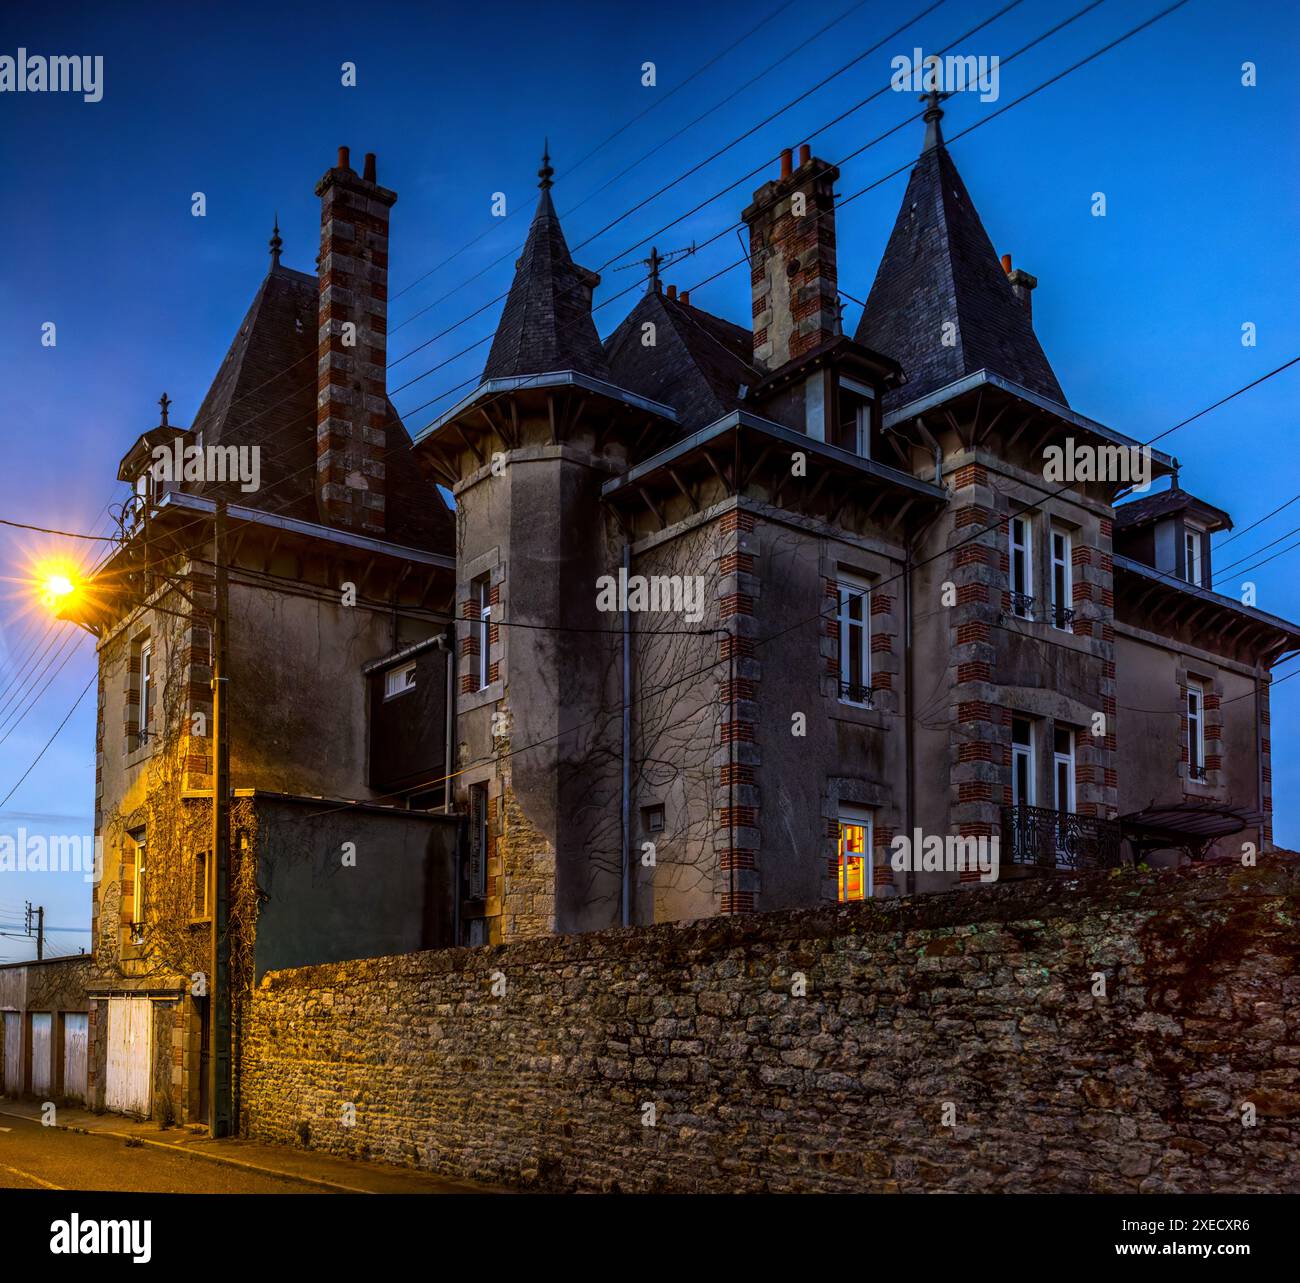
{"points": [[75, 1030], [130, 1039], [13, 1065], [42, 1028]]}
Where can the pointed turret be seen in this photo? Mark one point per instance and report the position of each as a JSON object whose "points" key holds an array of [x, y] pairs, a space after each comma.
{"points": [[940, 270], [546, 324]]}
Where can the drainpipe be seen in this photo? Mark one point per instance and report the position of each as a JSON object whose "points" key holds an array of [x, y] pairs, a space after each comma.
{"points": [[1259, 752], [908, 724], [458, 851], [627, 747]]}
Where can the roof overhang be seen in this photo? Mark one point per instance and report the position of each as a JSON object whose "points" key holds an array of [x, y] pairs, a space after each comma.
{"points": [[1194, 822], [136, 459], [840, 352], [492, 389], [994, 395], [753, 444], [1191, 604]]}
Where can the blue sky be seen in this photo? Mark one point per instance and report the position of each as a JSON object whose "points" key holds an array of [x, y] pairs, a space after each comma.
{"points": [[1140, 312]]}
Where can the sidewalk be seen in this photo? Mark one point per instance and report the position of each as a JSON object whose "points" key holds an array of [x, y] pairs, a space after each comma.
{"points": [[339, 1174]]}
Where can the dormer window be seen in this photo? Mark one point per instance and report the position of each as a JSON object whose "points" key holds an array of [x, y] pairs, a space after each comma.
{"points": [[855, 417], [1193, 543]]}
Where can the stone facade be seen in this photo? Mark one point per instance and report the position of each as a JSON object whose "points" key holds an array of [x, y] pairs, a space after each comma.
{"points": [[1110, 1033]]}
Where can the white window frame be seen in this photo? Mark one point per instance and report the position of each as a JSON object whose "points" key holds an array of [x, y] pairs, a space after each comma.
{"points": [[1065, 601], [1066, 760], [140, 841], [858, 817], [483, 585], [1027, 752], [849, 588], [1195, 728], [1024, 548], [146, 690], [398, 681], [1194, 554], [864, 413]]}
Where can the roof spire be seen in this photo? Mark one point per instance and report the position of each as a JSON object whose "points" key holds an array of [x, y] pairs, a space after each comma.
{"points": [[655, 260], [276, 243], [546, 171], [165, 402], [933, 115]]}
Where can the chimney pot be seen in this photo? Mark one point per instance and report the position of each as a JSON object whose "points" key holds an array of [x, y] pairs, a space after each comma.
{"points": [[805, 154], [1006, 263], [369, 174], [672, 291], [685, 296], [786, 167], [343, 159]]}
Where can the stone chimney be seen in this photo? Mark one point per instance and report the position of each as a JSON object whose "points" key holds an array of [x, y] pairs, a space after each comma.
{"points": [[792, 272], [351, 386], [1022, 285]]}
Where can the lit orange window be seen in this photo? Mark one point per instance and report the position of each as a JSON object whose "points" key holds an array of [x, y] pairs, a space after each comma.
{"points": [[855, 854]]}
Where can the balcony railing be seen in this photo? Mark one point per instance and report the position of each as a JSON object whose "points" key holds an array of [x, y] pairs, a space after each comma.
{"points": [[1062, 617], [862, 696], [1047, 839], [1022, 605], [1198, 773], [135, 933]]}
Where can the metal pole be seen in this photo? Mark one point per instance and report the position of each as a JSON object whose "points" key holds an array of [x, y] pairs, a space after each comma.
{"points": [[40, 932], [219, 1068], [627, 748]]}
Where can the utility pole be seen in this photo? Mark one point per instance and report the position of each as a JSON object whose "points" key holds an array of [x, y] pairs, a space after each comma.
{"points": [[40, 928], [219, 1075]]}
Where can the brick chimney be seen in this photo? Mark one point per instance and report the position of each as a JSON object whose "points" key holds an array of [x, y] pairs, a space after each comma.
{"points": [[351, 386], [1022, 285], [793, 277]]}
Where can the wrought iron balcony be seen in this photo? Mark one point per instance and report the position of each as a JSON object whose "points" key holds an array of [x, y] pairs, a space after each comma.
{"points": [[1062, 617], [1197, 773], [1022, 604], [862, 696], [1047, 839], [135, 933]]}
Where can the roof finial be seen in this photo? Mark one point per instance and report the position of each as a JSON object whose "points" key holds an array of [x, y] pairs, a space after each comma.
{"points": [[933, 115], [276, 243], [654, 260], [165, 402], [546, 171]]}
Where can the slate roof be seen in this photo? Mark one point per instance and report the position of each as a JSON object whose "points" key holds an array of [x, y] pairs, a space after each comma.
{"points": [[940, 266], [265, 394], [698, 364], [1165, 503], [546, 323]]}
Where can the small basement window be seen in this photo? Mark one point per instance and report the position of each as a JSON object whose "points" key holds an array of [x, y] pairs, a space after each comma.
{"points": [[652, 819], [397, 681]]}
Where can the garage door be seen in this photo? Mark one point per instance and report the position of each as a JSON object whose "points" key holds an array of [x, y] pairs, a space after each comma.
{"points": [[13, 1053], [130, 1039], [42, 1028], [75, 1031]]}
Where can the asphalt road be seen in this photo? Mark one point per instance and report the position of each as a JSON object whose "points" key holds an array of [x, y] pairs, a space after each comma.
{"points": [[36, 1157]]}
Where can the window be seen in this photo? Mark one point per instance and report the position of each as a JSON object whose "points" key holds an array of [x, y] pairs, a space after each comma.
{"points": [[199, 899], [1196, 730], [397, 681], [481, 596], [1062, 586], [855, 412], [1022, 568], [478, 840], [854, 864], [146, 691], [855, 642], [1063, 769], [1193, 537], [138, 896], [1023, 792], [652, 819]]}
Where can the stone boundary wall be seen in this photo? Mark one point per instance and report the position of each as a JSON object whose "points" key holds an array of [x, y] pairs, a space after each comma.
{"points": [[978, 1004]]}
